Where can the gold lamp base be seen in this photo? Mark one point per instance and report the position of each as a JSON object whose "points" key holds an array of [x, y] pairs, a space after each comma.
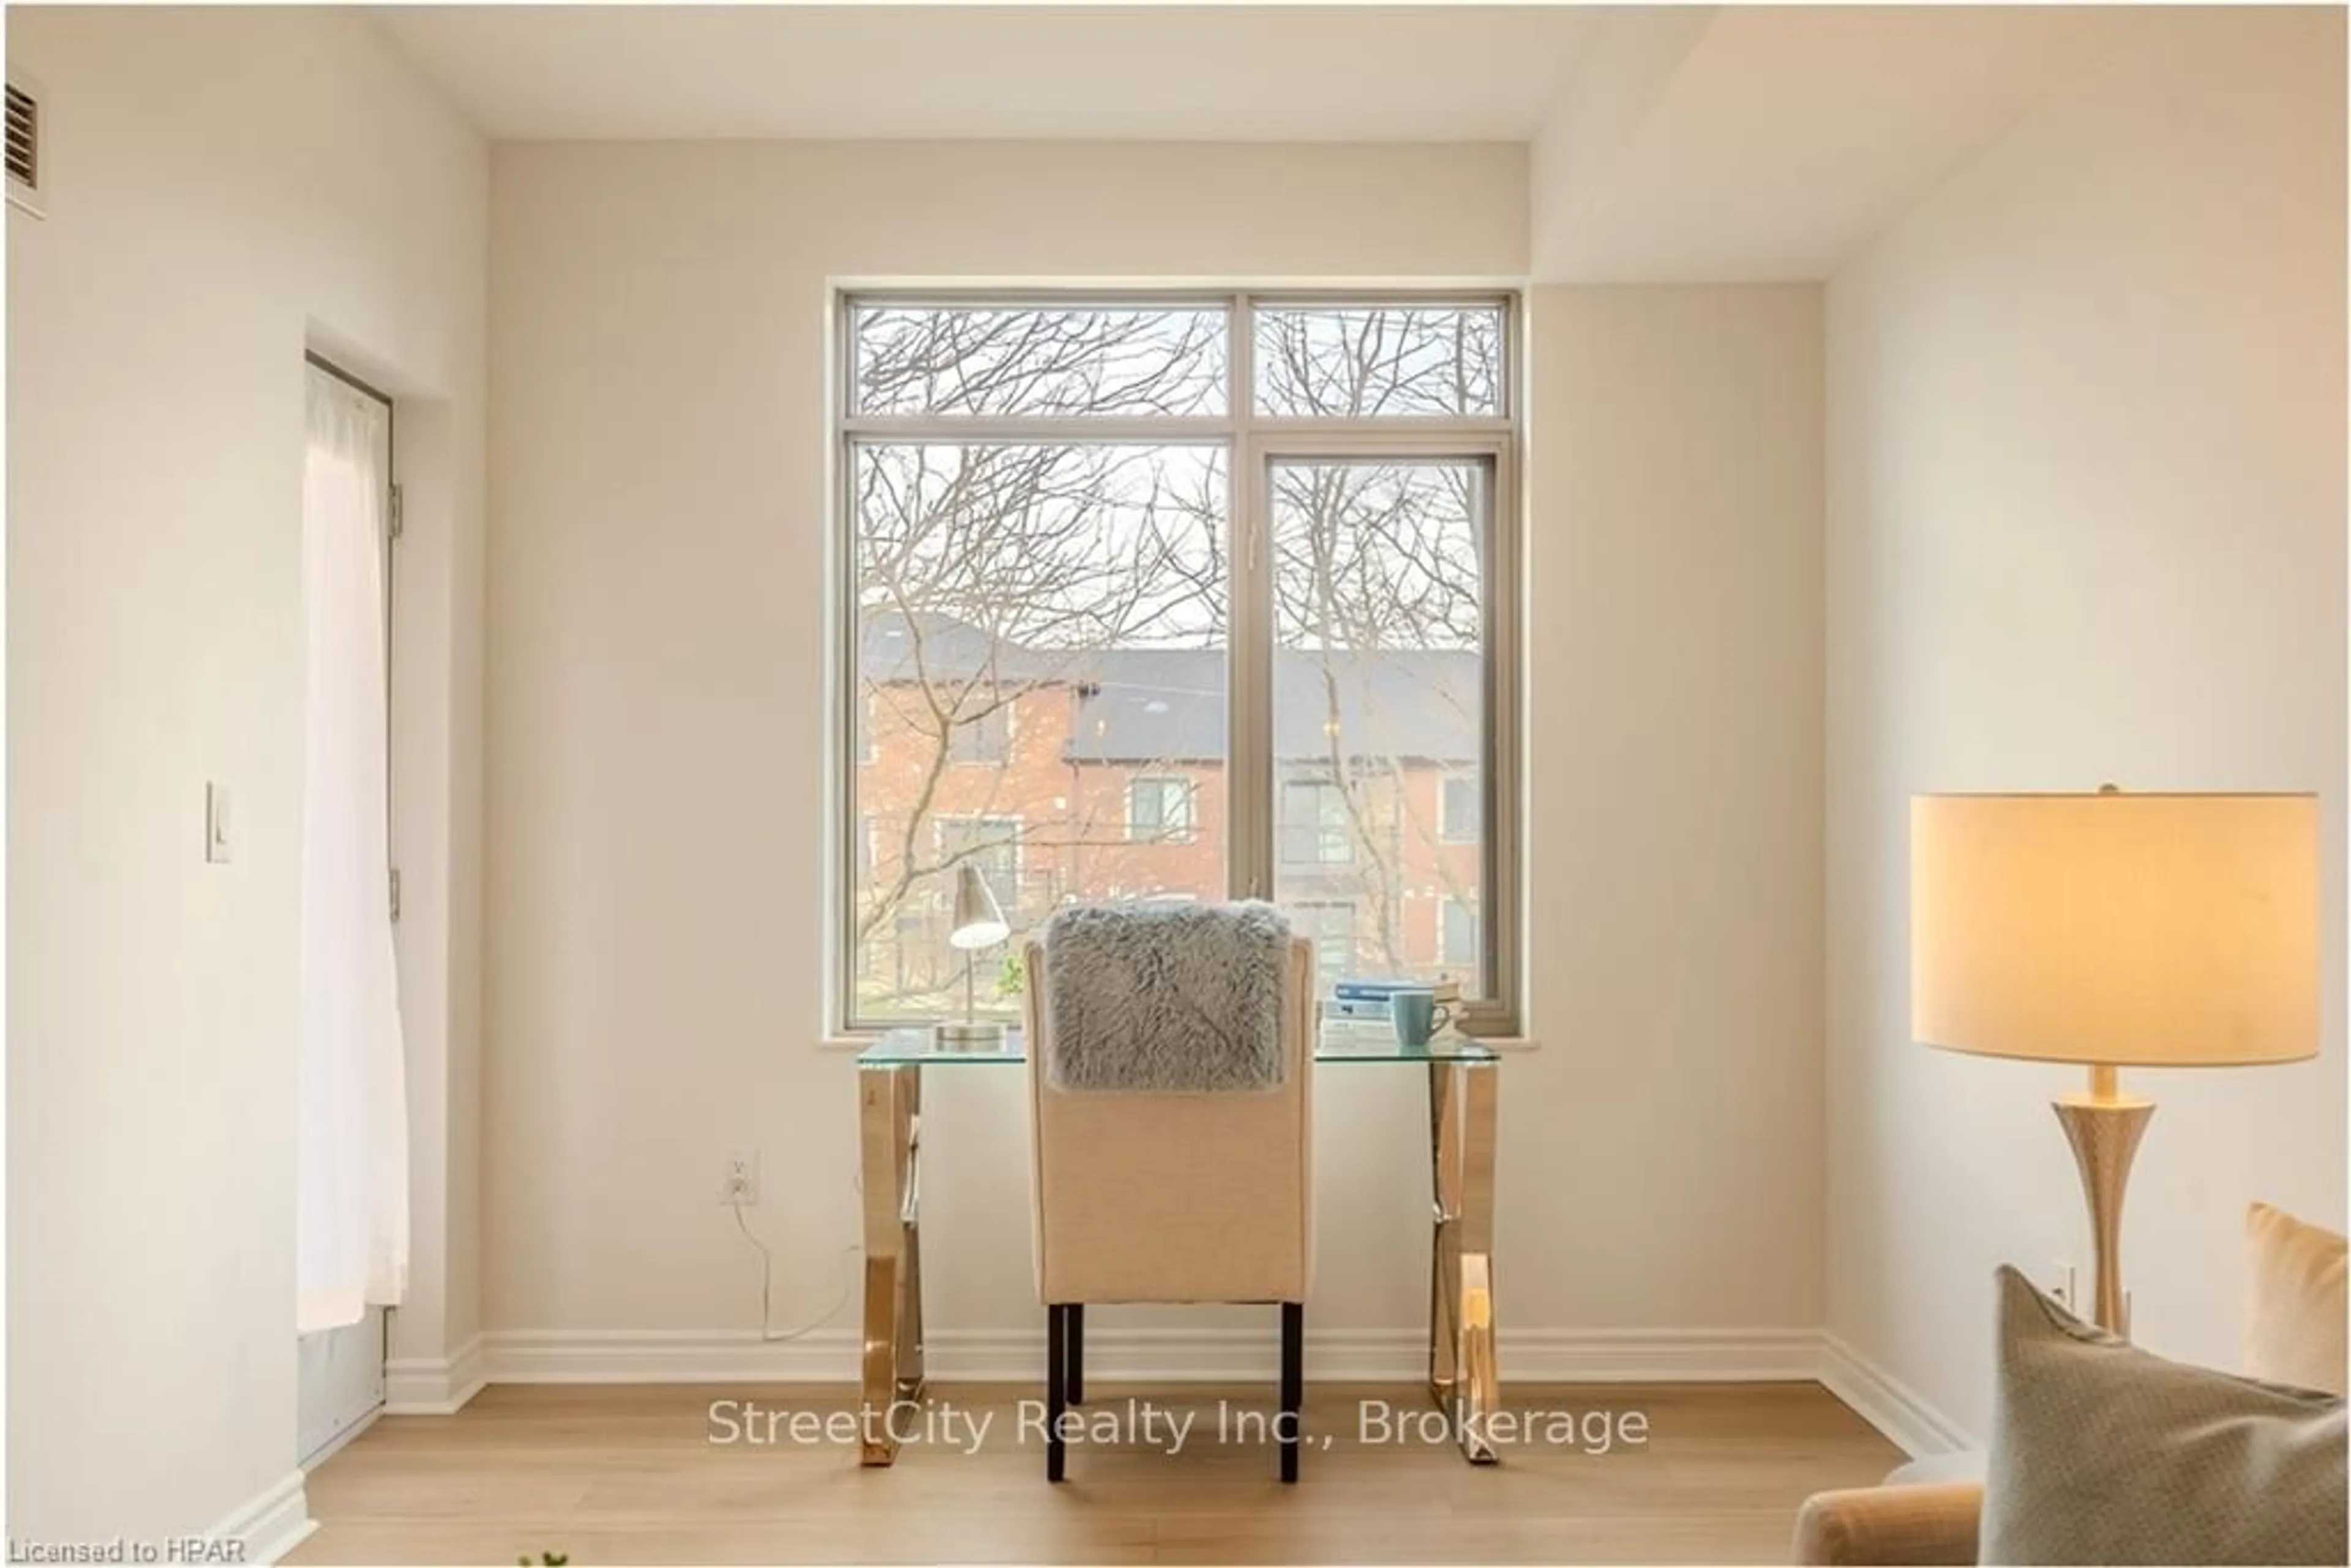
{"points": [[969, 1036], [2105, 1127]]}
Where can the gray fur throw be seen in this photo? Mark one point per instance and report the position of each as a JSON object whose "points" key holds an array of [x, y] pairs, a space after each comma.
{"points": [[1167, 998]]}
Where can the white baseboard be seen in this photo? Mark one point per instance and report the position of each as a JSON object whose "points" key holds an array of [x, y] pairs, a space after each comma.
{"points": [[426, 1386], [342, 1440], [1662, 1355], [1163, 1355], [1909, 1422], [270, 1525]]}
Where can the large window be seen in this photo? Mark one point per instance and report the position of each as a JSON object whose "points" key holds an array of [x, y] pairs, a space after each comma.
{"points": [[1191, 597]]}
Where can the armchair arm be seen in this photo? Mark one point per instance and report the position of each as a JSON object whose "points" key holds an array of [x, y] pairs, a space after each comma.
{"points": [[1900, 1525]]}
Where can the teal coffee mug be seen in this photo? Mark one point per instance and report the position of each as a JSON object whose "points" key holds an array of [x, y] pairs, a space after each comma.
{"points": [[1416, 1016]]}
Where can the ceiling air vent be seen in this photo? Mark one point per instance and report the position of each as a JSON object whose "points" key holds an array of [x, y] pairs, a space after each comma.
{"points": [[25, 148]]}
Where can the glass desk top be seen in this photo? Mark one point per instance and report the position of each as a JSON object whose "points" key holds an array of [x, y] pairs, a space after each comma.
{"points": [[1338, 1043]]}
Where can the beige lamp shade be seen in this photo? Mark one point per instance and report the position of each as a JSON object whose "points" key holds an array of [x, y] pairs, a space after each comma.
{"points": [[2152, 930]]}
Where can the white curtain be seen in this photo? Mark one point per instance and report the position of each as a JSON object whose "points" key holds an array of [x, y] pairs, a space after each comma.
{"points": [[351, 1210]]}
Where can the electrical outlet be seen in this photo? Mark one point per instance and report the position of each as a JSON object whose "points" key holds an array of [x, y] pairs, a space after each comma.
{"points": [[218, 841], [2060, 1285], [741, 1185]]}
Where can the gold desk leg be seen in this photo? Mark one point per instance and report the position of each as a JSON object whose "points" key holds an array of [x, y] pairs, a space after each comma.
{"points": [[1444, 1157], [910, 1315], [889, 1143], [1462, 1373]]}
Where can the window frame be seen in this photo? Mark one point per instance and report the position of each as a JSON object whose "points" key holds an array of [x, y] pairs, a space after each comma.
{"points": [[1254, 442]]}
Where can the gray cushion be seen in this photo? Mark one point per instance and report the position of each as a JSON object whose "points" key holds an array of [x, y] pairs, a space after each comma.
{"points": [[2104, 1453]]}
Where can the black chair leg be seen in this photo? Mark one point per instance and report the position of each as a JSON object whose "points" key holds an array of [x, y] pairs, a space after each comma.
{"points": [[1293, 1384], [1077, 1333], [1056, 1387]]}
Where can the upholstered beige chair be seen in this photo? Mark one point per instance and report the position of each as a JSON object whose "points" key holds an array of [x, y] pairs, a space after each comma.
{"points": [[1927, 1512], [1171, 1198]]}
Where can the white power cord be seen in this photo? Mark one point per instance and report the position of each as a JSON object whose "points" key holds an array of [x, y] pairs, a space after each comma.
{"points": [[769, 1335]]}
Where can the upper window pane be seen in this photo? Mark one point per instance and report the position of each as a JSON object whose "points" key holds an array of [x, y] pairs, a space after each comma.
{"points": [[1005, 360], [1379, 362]]}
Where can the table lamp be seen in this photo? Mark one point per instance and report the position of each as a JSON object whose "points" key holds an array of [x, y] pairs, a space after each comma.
{"points": [[978, 923], [2117, 931]]}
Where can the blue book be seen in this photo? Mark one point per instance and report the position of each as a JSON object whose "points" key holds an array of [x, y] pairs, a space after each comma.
{"points": [[1374, 990]]}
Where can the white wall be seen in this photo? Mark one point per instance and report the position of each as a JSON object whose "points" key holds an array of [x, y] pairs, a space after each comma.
{"points": [[658, 724], [225, 186], [2086, 523], [1666, 1148]]}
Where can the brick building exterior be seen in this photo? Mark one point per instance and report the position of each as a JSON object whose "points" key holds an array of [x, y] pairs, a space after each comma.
{"points": [[1099, 774]]}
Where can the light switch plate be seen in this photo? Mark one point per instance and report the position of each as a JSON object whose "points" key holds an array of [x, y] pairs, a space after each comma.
{"points": [[217, 824]]}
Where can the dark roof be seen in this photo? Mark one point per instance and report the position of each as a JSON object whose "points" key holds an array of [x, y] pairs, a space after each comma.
{"points": [[1167, 704], [895, 647], [1150, 705]]}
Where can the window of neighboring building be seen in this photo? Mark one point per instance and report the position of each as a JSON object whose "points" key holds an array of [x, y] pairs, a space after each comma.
{"points": [[985, 736], [1159, 811], [991, 843], [1315, 826], [1333, 928], [1457, 940], [1459, 808], [1041, 498]]}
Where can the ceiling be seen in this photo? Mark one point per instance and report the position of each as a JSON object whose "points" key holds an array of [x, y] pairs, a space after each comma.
{"points": [[1669, 143], [1414, 73], [1772, 142]]}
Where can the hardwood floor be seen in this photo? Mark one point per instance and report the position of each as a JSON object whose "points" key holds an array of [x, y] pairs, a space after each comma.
{"points": [[631, 1474]]}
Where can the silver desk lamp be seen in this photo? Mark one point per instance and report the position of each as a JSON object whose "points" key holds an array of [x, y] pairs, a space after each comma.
{"points": [[978, 923]]}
